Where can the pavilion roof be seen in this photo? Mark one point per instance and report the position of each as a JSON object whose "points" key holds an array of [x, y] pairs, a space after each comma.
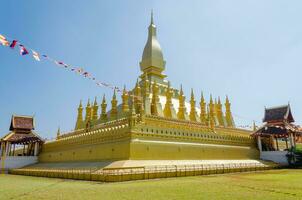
{"points": [[283, 129], [22, 123], [278, 114], [21, 138]]}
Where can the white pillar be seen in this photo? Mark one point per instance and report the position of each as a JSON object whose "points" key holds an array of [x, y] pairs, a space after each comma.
{"points": [[259, 143], [36, 149]]}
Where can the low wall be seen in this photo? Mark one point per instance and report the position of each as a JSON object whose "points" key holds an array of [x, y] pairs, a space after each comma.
{"points": [[14, 162], [275, 156]]}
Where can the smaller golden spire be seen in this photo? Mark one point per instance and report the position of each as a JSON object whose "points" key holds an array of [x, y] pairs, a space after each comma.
{"points": [[132, 114], [79, 122], [168, 105], [113, 112], [203, 112], [95, 110], [181, 91], [125, 99], [181, 109], [137, 97], [210, 118], [192, 105], [103, 116], [228, 113], [219, 102], [219, 113], [88, 112], [155, 99], [212, 111], [58, 132]]}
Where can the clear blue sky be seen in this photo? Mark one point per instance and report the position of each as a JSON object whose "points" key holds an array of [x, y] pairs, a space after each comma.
{"points": [[250, 50]]}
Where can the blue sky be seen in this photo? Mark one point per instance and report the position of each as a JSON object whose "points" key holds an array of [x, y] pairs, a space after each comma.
{"points": [[250, 50]]}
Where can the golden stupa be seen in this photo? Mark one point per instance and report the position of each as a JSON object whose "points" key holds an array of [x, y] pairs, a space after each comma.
{"points": [[153, 122]]}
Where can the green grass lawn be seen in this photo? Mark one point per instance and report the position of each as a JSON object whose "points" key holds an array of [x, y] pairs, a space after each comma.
{"points": [[273, 184]]}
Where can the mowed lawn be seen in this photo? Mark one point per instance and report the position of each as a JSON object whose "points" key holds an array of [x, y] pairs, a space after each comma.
{"points": [[273, 184]]}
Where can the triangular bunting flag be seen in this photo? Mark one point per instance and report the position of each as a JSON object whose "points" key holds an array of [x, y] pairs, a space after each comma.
{"points": [[36, 55], [23, 51]]}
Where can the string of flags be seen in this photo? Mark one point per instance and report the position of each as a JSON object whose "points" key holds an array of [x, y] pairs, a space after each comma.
{"points": [[38, 57], [12, 43]]}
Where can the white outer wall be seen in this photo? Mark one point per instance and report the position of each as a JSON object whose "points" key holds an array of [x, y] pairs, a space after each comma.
{"points": [[12, 162], [275, 156]]}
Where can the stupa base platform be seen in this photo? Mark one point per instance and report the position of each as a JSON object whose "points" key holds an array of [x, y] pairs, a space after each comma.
{"points": [[127, 170]]}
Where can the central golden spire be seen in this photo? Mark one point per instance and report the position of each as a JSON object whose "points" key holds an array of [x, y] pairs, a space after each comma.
{"points": [[153, 63]]}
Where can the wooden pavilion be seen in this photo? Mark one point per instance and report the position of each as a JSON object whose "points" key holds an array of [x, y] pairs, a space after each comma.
{"points": [[278, 135], [21, 145]]}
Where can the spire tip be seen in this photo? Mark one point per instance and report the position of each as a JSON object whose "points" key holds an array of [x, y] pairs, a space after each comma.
{"points": [[152, 16]]}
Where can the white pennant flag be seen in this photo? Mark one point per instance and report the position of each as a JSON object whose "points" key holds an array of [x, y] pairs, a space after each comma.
{"points": [[36, 55]]}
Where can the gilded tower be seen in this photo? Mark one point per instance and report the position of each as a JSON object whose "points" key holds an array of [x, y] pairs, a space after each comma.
{"points": [[80, 122], [88, 113], [228, 114], [169, 111], [103, 117], [181, 108], [125, 100], [153, 63], [203, 112], [192, 107], [113, 112], [219, 113], [95, 109]]}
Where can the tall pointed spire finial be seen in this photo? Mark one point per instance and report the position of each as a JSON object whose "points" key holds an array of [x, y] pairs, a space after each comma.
{"points": [[58, 132], [211, 99], [125, 98], [114, 94], [95, 101], [104, 99], [152, 57], [152, 22], [94, 110], [114, 111], [192, 105], [192, 93], [219, 102], [203, 111], [103, 116], [79, 122], [202, 97]]}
